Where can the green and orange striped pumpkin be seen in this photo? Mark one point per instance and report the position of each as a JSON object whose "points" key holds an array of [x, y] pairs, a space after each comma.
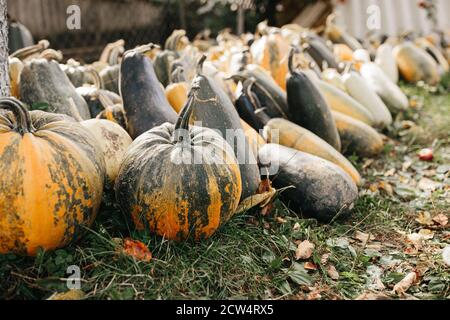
{"points": [[51, 181], [166, 192]]}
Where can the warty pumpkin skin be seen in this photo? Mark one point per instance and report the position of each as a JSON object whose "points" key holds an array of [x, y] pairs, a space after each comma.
{"points": [[114, 142], [44, 81], [143, 97], [166, 193], [213, 109], [52, 179]]}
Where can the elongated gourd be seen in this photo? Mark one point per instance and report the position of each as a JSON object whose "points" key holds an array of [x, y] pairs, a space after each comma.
{"points": [[357, 137], [211, 108], [388, 91], [435, 53], [342, 102], [386, 60], [308, 108], [314, 187], [43, 81], [267, 89], [15, 69], [290, 135], [143, 97], [255, 140], [358, 88], [416, 64]]}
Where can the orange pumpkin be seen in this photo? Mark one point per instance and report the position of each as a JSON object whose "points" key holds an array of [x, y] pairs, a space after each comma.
{"points": [[52, 179]]}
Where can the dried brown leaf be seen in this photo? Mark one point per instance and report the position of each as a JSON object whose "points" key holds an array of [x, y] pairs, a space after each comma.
{"points": [[310, 266], [69, 295], [401, 287], [304, 250], [441, 219], [332, 272], [424, 218]]}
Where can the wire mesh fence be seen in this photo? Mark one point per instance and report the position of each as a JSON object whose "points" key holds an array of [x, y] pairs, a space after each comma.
{"points": [[101, 22]]}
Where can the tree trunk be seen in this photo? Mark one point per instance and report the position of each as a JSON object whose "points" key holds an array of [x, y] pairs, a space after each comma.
{"points": [[4, 74]]}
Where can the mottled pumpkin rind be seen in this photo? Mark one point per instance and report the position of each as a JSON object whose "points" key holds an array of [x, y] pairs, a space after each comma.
{"points": [[178, 201], [51, 184]]}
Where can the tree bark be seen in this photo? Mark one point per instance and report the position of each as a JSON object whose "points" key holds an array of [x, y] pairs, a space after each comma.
{"points": [[4, 74]]}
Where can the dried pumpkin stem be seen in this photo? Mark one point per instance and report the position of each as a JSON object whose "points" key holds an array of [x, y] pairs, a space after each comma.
{"points": [[20, 112], [182, 124], [200, 65], [26, 52]]}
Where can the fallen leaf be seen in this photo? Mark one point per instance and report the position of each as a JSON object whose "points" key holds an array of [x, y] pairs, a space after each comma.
{"points": [[386, 187], [426, 184], [137, 250], [373, 296], [69, 295], [389, 173], [324, 258], [314, 294], [374, 278], [281, 220], [406, 165], [363, 237], [446, 255], [367, 163], [310, 266], [441, 219], [425, 218], [332, 272], [426, 154], [404, 284], [263, 198], [427, 234], [304, 250], [296, 226]]}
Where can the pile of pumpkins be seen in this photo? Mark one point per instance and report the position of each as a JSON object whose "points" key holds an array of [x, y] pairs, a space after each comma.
{"points": [[152, 125]]}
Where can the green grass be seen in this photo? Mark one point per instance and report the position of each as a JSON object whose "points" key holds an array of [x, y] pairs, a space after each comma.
{"points": [[253, 257]]}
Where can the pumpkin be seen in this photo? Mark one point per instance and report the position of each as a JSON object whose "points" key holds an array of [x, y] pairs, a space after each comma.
{"points": [[52, 179], [436, 54], [80, 75], [113, 141], [169, 194], [389, 92], [177, 41], [110, 78], [144, 101], [290, 135], [357, 137], [415, 64], [333, 77], [342, 102], [308, 108], [163, 66], [249, 108], [43, 81], [314, 187], [213, 109], [177, 91], [386, 60], [255, 140], [359, 89], [269, 93], [337, 35], [271, 52], [18, 36], [113, 112], [91, 96], [15, 70], [343, 52], [319, 51]]}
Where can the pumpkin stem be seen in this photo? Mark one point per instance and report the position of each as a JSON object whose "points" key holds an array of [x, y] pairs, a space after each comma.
{"points": [[292, 52], [200, 64], [26, 52], [51, 54], [98, 81], [105, 101], [20, 112], [105, 57], [182, 124], [260, 111], [75, 113]]}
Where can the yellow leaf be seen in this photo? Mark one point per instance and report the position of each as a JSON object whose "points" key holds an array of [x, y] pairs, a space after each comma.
{"points": [[404, 284], [69, 295], [425, 218]]}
